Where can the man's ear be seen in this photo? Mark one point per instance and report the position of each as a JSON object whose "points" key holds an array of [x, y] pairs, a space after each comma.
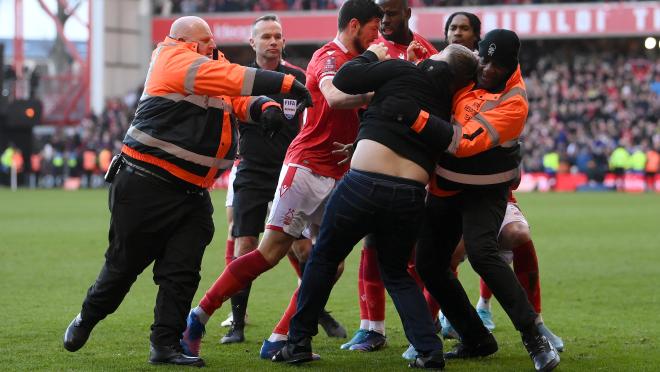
{"points": [[252, 44]]}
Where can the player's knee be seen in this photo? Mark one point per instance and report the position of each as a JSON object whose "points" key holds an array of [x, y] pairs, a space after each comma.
{"points": [[514, 234], [245, 244], [275, 245]]}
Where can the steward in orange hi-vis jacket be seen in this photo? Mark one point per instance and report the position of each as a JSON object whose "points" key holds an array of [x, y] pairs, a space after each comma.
{"points": [[183, 123], [161, 211], [479, 161]]}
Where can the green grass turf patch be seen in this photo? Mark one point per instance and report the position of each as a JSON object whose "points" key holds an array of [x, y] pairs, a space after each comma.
{"points": [[599, 257]]}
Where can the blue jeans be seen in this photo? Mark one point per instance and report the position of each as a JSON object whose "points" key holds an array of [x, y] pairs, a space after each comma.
{"points": [[389, 208]]}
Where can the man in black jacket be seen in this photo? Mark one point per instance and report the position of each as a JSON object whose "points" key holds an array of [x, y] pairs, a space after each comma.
{"points": [[383, 193]]}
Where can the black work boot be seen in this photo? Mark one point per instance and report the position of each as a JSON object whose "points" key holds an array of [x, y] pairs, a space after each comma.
{"points": [[432, 360], [331, 326], [173, 355], [487, 345], [77, 333], [295, 352], [543, 354], [236, 334]]}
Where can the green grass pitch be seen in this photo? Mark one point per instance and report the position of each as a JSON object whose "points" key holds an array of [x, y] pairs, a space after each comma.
{"points": [[600, 268]]}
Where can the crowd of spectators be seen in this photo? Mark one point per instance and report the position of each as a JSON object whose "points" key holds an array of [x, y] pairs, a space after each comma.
{"points": [[169, 7], [605, 97], [583, 108]]}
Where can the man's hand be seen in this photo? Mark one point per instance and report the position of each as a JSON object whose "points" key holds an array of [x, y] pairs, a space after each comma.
{"points": [[272, 120], [379, 50], [415, 49], [342, 149], [299, 90], [403, 110]]}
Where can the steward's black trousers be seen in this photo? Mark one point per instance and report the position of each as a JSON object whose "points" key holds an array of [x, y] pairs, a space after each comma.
{"points": [[477, 215], [153, 221]]}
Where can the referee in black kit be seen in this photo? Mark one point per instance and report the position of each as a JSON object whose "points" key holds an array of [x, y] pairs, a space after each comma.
{"points": [[261, 156]]}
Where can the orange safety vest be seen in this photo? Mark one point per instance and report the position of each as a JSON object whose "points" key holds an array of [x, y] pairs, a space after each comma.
{"points": [[17, 161], [104, 159], [183, 123], [652, 161], [89, 160], [485, 148], [35, 162]]}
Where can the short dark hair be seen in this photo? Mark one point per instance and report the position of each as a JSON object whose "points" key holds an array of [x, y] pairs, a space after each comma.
{"points": [[475, 23], [362, 10], [267, 17], [264, 18]]}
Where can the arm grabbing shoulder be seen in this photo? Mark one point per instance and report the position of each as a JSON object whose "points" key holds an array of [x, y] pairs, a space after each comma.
{"points": [[340, 100]]}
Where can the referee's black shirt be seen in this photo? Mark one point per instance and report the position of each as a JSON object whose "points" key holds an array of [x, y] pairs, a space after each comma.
{"points": [[262, 156]]}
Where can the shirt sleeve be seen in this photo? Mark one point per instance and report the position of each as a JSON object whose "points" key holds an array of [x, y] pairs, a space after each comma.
{"points": [[495, 127], [365, 73]]}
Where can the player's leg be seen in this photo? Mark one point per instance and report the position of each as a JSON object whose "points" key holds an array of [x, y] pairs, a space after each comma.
{"points": [[458, 257], [516, 237], [296, 197], [374, 299], [250, 207]]}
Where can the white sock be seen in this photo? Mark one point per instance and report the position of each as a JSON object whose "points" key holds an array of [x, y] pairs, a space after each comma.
{"points": [[364, 324], [201, 314], [483, 304], [377, 326], [274, 337]]}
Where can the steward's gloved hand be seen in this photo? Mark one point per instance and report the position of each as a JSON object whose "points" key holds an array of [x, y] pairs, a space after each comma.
{"points": [[299, 90], [272, 120], [403, 110]]}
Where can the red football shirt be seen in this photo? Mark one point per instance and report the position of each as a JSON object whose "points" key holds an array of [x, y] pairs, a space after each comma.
{"points": [[399, 50], [312, 147]]}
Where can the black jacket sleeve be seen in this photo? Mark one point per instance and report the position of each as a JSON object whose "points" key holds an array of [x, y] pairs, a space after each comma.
{"points": [[438, 133], [364, 73]]}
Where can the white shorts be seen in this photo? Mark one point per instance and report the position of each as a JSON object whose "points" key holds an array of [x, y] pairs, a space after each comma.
{"points": [[513, 214], [230, 186], [299, 200]]}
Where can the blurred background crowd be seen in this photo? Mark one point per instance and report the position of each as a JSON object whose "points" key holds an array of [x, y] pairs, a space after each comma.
{"points": [[594, 105]]}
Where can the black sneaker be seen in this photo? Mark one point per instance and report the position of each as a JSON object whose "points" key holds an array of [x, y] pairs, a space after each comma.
{"points": [[235, 335], [465, 350], [173, 355], [295, 352], [432, 360], [543, 354], [331, 326], [77, 333]]}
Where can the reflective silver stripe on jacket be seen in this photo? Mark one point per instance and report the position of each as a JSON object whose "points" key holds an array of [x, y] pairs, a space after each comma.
{"points": [[248, 81], [177, 151], [251, 101], [492, 132], [515, 91], [201, 101], [477, 179], [455, 139], [191, 74]]}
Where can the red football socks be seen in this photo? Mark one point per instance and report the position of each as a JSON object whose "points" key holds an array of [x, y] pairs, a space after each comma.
{"points": [[282, 327], [526, 267], [235, 277], [374, 289]]}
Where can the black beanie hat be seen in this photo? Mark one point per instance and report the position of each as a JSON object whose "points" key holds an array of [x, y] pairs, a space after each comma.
{"points": [[502, 46]]}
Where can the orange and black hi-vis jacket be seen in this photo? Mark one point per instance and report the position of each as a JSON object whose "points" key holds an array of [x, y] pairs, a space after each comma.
{"points": [[183, 124], [485, 149]]}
